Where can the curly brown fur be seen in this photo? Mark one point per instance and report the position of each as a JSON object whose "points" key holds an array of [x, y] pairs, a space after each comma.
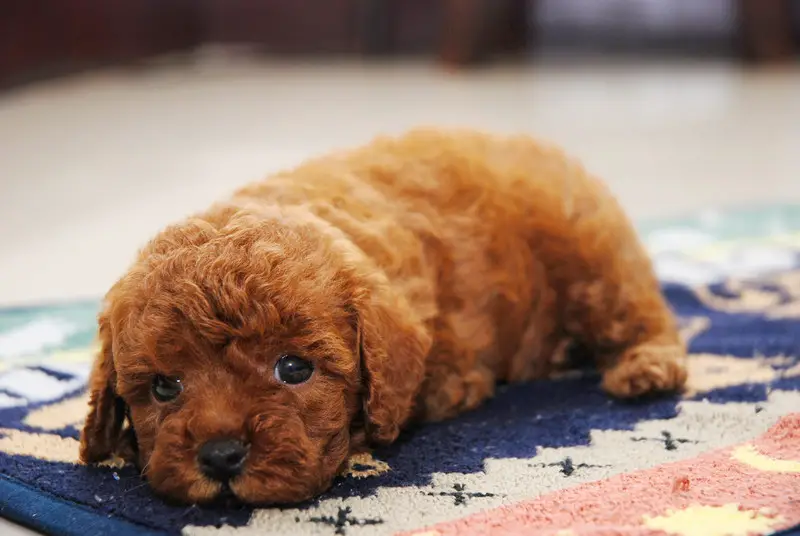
{"points": [[414, 272]]}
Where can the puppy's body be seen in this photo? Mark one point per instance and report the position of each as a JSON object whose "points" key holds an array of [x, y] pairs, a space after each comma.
{"points": [[414, 273], [504, 250]]}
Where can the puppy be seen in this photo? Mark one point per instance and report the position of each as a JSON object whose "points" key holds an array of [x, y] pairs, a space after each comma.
{"points": [[252, 348]]}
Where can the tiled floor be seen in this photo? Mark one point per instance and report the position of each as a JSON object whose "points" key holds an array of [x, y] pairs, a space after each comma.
{"points": [[92, 166]]}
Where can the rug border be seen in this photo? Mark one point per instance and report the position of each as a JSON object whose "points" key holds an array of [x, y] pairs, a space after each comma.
{"points": [[791, 531], [20, 502]]}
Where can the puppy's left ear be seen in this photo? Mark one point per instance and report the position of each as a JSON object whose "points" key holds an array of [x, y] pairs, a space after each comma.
{"points": [[393, 345], [102, 433]]}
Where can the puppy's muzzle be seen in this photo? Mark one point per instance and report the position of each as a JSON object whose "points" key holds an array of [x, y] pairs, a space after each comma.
{"points": [[222, 459]]}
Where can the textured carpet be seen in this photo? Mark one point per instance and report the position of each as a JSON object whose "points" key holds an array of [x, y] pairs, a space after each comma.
{"points": [[552, 457]]}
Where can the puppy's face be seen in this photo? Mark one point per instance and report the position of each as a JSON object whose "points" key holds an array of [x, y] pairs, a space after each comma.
{"points": [[248, 360], [265, 416]]}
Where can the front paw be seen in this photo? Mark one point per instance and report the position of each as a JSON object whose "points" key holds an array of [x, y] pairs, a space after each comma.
{"points": [[647, 369], [455, 394]]}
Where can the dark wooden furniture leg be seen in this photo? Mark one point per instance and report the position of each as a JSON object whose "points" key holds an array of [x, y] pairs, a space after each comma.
{"points": [[375, 31], [765, 30], [475, 30]]}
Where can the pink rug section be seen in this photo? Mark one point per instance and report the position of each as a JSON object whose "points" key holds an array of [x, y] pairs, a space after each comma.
{"points": [[753, 488]]}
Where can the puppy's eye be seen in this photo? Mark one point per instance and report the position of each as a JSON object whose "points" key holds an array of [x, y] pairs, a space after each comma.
{"points": [[165, 388], [293, 370]]}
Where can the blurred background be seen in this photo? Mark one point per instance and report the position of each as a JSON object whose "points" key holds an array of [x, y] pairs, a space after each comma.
{"points": [[119, 117]]}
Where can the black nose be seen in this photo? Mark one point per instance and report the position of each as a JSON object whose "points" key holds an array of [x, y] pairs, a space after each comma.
{"points": [[222, 459]]}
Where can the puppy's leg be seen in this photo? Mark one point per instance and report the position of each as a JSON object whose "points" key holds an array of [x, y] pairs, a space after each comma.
{"points": [[455, 381], [612, 300]]}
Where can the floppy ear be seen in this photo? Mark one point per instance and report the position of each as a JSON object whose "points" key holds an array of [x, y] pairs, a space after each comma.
{"points": [[393, 345], [102, 433]]}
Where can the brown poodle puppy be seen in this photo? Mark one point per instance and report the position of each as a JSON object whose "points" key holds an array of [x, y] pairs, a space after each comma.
{"points": [[253, 347]]}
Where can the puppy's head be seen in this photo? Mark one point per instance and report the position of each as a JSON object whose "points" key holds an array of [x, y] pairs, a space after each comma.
{"points": [[250, 356]]}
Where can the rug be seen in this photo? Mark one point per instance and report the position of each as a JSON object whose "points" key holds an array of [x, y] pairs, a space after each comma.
{"points": [[554, 457]]}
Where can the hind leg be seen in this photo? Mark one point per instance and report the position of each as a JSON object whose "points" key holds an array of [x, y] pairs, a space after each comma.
{"points": [[612, 302]]}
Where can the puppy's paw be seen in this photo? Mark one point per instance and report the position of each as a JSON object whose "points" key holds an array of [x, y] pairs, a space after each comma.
{"points": [[452, 394], [647, 369], [479, 386]]}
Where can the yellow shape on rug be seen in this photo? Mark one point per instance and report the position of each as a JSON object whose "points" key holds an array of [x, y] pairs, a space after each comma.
{"points": [[748, 455], [49, 447], [727, 520], [69, 412], [708, 371], [79, 355]]}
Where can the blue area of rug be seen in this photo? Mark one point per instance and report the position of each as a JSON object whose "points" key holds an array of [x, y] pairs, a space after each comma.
{"points": [[65, 499], [33, 507]]}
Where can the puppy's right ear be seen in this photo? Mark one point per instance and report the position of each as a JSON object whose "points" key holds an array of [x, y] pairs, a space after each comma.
{"points": [[102, 431]]}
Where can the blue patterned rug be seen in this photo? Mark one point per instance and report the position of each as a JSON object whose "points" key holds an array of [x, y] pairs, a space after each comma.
{"points": [[734, 280]]}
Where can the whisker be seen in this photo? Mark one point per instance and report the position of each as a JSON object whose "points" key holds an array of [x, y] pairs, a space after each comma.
{"points": [[192, 507], [134, 488], [142, 471]]}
